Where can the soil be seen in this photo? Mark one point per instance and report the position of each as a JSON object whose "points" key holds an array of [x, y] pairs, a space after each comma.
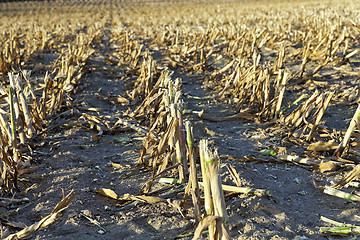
{"points": [[69, 158]]}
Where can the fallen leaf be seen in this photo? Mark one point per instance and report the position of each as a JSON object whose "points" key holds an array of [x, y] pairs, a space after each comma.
{"points": [[328, 166], [204, 223], [122, 100], [55, 215], [147, 199], [234, 175], [19, 225], [322, 146], [107, 192]]}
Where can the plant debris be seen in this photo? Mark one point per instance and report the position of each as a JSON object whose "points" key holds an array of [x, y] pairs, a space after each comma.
{"points": [[130, 103]]}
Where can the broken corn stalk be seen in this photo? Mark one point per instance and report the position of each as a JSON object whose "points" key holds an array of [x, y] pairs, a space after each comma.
{"points": [[339, 151]]}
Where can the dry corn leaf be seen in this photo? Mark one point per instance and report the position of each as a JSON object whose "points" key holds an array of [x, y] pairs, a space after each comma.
{"points": [[298, 159], [43, 223], [46, 221], [65, 201], [204, 223], [122, 100], [127, 197], [249, 159], [19, 225], [234, 175], [354, 173], [322, 146], [143, 198], [339, 159], [107, 192], [328, 166], [244, 190], [117, 165]]}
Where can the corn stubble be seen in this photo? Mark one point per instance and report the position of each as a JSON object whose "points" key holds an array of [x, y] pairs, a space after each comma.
{"points": [[27, 109], [164, 146], [252, 64], [215, 207]]}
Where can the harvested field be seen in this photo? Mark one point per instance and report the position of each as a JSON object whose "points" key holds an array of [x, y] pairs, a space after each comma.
{"points": [[179, 120]]}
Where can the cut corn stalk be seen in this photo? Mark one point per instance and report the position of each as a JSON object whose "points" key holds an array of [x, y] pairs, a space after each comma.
{"points": [[214, 195], [337, 193], [319, 116], [340, 229], [283, 80], [216, 187], [244, 190], [339, 151], [204, 155], [193, 173], [13, 124]]}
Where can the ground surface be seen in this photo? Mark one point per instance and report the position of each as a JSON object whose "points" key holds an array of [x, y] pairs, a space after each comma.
{"points": [[68, 158]]}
